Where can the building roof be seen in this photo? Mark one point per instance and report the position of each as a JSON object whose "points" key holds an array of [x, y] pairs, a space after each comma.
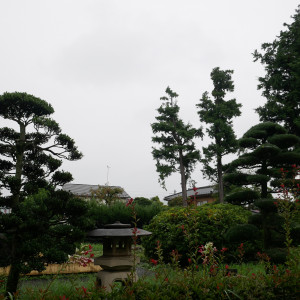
{"points": [[84, 190], [201, 191]]}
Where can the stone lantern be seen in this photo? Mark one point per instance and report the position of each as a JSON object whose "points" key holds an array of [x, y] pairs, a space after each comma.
{"points": [[117, 260]]}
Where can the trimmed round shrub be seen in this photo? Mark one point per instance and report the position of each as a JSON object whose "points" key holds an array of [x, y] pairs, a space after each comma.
{"points": [[277, 255], [185, 229], [242, 233], [266, 205], [241, 196]]}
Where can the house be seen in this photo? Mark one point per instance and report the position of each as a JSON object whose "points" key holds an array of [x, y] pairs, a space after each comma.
{"points": [[84, 190], [203, 195]]}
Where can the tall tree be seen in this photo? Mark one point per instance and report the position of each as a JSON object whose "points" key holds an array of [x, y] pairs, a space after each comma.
{"points": [[177, 150], [218, 114], [264, 149], [281, 84], [42, 219]]}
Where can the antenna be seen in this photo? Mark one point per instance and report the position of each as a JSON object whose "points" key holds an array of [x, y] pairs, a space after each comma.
{"points": [[107, 183]]}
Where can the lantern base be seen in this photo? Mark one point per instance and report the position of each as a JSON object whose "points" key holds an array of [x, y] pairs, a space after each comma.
{"points": [[108, 278]]}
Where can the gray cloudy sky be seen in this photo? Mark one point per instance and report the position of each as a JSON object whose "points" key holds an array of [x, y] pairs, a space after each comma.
{"points": [[103, 65]]}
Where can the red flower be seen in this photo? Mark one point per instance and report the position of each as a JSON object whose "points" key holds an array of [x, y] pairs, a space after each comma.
{"points": [[92, 255], [129, 202], [90, 247], [226, 267], [224, 249], [84, 290], [294, 166], [166, 279], [153, 261], [63, 297], [195, 189], [189, 260]]}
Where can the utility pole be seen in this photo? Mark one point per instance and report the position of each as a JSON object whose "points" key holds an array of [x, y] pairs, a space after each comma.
{"points": [[107, 183]]}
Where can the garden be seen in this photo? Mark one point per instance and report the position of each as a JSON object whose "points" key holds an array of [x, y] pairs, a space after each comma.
{"points": [[190, 255], [245, 245]]}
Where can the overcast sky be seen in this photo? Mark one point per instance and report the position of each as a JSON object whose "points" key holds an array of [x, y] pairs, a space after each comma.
{"points": [[103, 65]]}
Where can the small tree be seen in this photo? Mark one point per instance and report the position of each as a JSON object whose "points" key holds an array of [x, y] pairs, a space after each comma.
{"points": [[177, 152], [281, 84], [218, 113], [108, 194], [44, 222], [264, 148]]}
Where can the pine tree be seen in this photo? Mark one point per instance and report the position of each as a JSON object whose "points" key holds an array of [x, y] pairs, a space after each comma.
{"points": [[264, 149], [177, 152], [281, 84], [44, 222], [218, 114]]}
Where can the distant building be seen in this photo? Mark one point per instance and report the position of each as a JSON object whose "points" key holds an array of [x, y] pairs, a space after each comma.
{"points": [[84, 190], [204, 195]]}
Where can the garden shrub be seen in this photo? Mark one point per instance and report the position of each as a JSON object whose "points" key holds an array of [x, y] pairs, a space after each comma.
{"points": [[242, 233], [108, 214], [277, 255], [184, 229]]}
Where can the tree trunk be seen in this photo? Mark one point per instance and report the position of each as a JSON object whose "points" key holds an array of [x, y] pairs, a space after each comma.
{"points": [[14, 272], [220, 179], [12, 279], [264, 185], [183, 180]]}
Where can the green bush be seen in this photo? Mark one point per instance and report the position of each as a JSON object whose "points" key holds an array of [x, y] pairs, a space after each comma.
{"points": [[108, 214], [242, 233], [277, 255], [184, 229]]}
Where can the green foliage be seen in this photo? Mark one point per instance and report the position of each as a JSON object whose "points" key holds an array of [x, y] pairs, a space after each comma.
{"points": [[118, 211], [242, 233], [241, 196], [277, 255], [45, 223], [260, 160], [177, 151], [281, 84], [108, 194], [177, 201], [205, 223], [142, 201], [218, 113]]}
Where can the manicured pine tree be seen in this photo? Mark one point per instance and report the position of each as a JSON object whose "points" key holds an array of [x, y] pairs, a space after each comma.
{"points": [[44, 222], [281, 84], [265, 149], [218, 114], [177, 151]]}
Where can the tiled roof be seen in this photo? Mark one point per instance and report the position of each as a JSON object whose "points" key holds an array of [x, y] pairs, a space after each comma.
{"points": [[202, 191], [85, 189]]}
